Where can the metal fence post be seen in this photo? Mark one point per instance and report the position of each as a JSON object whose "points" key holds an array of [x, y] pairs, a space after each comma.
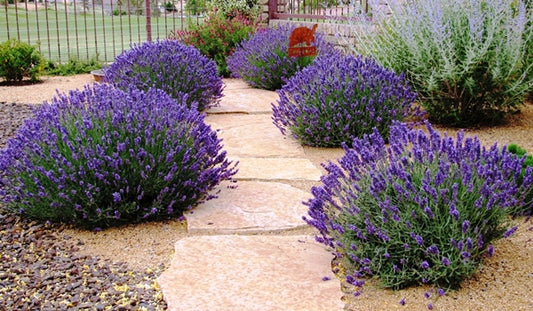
{"points": [[148, 21]]}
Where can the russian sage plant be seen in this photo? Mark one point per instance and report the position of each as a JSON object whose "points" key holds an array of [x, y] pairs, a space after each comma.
{"points": [[263, 62], [179, 70], [468, 60], [423, 209], [338, 98], [102, 157]]}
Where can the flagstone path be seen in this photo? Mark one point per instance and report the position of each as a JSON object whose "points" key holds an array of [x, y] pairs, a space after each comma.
{"points": [[241, 254]]}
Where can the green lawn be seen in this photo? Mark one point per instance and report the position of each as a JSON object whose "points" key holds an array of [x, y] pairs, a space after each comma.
{"points": [[62, 36]]}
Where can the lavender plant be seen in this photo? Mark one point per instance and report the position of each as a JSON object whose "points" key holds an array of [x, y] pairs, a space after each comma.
{"points": [[101, 157], [527, 210], [339, 98], [423, 209], [179, 70], [469, 61], [263, 61]]}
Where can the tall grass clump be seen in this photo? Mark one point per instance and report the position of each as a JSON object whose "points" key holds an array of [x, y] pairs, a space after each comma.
{"points": [[102, 157], [469, 61], [423, 209], [179, 70], [338, 98], [263, 62]]}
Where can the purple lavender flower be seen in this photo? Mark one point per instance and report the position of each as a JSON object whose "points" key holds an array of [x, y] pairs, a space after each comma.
{"points": [[510, 232], [178, 69], [445, 261], [490, 250], [466, 225], [424, 265]]}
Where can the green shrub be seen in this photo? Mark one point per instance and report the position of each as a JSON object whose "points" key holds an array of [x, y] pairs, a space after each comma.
{"points": [[217, 37], [231, 8], [72, 67], [423, 209], [467, 60], [102, 157], [528, 162], [118, 12], [195, 7], [19, 60]]}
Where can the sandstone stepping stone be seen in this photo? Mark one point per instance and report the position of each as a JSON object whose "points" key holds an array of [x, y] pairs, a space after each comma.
{"points": [[253, 136], [233, 84], [259, 273], [277, 169], [253, 207], [251, 101]]}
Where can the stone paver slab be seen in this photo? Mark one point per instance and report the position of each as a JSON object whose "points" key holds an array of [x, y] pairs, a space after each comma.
{"points": [[259, 273], [277, 169], [253, 136], [251, 101], [252, 207], [232, 84]]}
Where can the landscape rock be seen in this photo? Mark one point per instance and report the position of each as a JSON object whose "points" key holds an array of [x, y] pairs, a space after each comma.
{"points": [[253, 207], [259, 273]]}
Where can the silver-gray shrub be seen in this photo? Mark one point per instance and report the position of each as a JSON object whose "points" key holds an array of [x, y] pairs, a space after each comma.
{"points": [[468, 60]]}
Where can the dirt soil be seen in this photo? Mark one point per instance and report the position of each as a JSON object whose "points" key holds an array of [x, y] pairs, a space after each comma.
{"points": [[504, 283]]}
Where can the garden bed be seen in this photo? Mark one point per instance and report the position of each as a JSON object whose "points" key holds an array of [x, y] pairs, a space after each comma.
{"points": [[135, 255]]}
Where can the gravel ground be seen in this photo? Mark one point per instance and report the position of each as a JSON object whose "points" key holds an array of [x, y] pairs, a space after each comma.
{"points": [[41, 267]]}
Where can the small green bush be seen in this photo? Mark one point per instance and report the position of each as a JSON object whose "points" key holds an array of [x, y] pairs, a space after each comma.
{"points": [[103, 157], [72, 67], [19, 60], [217, 37], [195, 7], [469, 61], [231, 8]]}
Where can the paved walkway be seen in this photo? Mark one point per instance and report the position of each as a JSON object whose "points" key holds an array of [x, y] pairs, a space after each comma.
{"points": [[242, 254]]}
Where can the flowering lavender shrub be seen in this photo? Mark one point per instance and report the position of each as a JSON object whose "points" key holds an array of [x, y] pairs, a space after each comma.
{"points": [[102, 157], [469, 61], [423, 209], [179, 70], [338, 98], [263, 61]]}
